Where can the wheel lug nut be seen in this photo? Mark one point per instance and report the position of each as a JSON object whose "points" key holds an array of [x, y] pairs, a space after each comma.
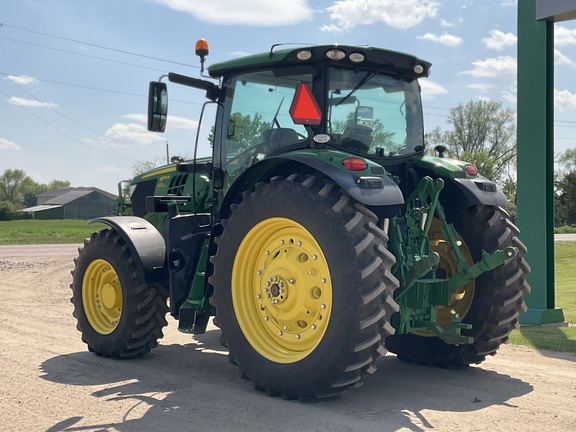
{"points": [[314, 257], [281, 242], [323, 280], [266, 318], [299, 243], [323, 306], [258, 296], [280, 291], [280, 333], [258, 272], [297, 336], [292, 280], [267, 252], [313, 326]]}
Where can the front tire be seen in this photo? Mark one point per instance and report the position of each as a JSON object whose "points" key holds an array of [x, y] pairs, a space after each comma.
{"points": [[118, 314], [302, 288], [492, 303]]}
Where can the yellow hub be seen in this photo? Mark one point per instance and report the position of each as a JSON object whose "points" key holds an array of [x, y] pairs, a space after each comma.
{"points": [[281, 290], [102, 296], [462, 298]]}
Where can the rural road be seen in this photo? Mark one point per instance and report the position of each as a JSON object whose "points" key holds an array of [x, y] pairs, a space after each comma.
{"points": [[50, 382]]}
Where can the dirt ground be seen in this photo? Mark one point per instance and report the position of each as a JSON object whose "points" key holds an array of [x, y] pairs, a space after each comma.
{"points": [[50, 382]]}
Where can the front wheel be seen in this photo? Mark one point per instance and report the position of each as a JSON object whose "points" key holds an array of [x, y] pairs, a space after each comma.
{"points": [[302, 288], [492, 302], [118, 315]]}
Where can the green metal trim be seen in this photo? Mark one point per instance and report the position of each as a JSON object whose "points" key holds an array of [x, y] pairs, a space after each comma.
{"points": [[197, 301]]}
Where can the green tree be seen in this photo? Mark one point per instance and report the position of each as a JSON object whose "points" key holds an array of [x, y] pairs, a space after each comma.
{"points": [[11, 185], [483, 133], [143, 166], [565, 189], [6, 210]]}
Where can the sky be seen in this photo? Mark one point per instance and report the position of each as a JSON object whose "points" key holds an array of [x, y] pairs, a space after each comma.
{"points": [[74, 74]]}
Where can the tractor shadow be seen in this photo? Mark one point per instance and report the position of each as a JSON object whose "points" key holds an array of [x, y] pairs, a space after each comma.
{"points": [[193, 387]]}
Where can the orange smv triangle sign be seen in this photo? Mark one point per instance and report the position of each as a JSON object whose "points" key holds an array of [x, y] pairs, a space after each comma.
{"points": [[304, 108]]}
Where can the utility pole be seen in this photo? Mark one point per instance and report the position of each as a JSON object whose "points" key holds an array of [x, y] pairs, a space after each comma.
{"points": [[167, 154]]}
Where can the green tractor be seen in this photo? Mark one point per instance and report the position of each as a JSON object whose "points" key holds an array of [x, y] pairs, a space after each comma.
{"points": [[319, 235]]}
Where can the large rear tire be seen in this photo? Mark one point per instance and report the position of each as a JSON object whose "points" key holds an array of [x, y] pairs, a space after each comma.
{"points": [[492, 303], [119, 315], [302, 288]]}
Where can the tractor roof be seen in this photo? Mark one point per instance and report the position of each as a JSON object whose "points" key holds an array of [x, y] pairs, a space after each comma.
{"points": [[374, 58]]}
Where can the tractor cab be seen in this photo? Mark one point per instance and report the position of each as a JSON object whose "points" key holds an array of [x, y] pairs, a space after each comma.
{"points": [[364, 102]]}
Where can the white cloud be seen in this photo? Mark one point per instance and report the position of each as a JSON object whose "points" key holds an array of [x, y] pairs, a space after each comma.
{"points": [[564, 100], [445, 39], [499, 40], [561, 59], [430, 89], [8, 145], [264, 13], [445, 23], [173, 121], [510, 95], [564, 36], [31, 103], [130, 134], [347, 14], [21, 79], [493, 67], [507, 3]]}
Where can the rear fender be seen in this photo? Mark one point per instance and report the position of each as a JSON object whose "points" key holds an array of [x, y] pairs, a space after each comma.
{"points": [[371, 187], [461, 190], [146, 245]]}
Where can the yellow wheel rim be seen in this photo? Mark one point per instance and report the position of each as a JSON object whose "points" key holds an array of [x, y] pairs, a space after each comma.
{"points": [[281, 290], [102, 296], [462, 298]]}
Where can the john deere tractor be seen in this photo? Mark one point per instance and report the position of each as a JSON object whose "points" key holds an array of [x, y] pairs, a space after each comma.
{"points": [[319, 235]]}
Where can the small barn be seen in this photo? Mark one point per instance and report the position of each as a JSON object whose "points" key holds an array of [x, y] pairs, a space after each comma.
{"points": [[73, 203]]}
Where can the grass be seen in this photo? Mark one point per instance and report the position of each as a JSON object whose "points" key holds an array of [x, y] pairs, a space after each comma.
{"points": [[553, 336], [549, 337], [22, 232]]}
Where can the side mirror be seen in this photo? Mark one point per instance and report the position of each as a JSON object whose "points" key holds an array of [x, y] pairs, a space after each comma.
{"points": [[157, 106], [364, 116]]}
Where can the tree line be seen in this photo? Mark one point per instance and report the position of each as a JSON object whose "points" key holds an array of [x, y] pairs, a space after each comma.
{"points": [[18, 191]]}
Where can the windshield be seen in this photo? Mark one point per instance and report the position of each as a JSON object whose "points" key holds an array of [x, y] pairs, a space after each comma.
{"points": [[259, 123], [374, 114]]}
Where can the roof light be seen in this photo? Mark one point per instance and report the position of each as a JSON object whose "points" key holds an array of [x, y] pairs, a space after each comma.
{"points": [[357, 57], [304, 55], [355, 164], [418, 69], [335, 54], [202, 48], [304, 108], [471, 170], [321, 138], [202, 51]]}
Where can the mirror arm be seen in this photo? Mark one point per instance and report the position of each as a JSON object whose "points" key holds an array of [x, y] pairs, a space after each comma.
{"points": [[212, 90]]}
